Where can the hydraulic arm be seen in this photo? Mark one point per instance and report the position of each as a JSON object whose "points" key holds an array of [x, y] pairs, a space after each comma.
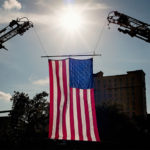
{"points": [[130, 26], [18, 26]]}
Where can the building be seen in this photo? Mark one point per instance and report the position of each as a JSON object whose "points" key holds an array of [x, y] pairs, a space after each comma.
{"points": [[127, 91]]}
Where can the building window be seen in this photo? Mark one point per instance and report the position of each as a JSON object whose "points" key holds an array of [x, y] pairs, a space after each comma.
{"points": [[104, 81], [98, 84], [104, 85], [110, 95], [109, 83], [132, 79], [120, 81], [128, 101], [127, 82], [133, 102]]}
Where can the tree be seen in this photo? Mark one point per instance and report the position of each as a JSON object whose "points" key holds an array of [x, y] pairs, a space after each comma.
{"points": [[28, 118], [38, 115], [114, 126]]}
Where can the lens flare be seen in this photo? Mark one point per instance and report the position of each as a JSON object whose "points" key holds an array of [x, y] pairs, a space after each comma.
{"points": [[71, 20]]}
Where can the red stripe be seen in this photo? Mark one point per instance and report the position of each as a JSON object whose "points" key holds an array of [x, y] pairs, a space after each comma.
{"points": [[64, 71], [79, 114], [87, 116], [51, 98], [94, 115], [71, 115], [58, 99]]}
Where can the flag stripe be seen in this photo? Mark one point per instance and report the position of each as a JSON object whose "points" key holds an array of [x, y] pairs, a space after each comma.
{"points": [[75, 114], [55, 100], [94, 115], [90, 115], [72, 115], [58, 99], [51, 98], [83, 115], [68, 103], [87, 116], [79, 114], [61, 101], [65, 100]]}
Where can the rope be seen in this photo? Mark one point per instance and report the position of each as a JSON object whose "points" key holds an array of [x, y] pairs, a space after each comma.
{"points": [[40, 42], [100, 37]]}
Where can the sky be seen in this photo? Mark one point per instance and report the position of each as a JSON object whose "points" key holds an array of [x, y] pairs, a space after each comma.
{"points": [[22, 68]]}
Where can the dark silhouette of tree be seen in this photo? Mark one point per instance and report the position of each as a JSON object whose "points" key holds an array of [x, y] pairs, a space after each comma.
{"points": [[18, 117], [38, 115], [28, 118], [114, 126]]}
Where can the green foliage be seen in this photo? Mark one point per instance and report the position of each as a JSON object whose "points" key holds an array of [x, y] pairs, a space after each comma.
{"points": [[115, 126], [28, 118]]}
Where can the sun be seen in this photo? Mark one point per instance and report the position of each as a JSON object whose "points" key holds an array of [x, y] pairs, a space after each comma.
{"points": [[71, 20]]}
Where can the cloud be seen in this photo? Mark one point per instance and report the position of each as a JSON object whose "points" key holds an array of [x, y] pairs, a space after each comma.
{"points": [[44, 12], [41, 82], [11, 4], [89, 5], [96, 6], [4, 96], [45, 19]]}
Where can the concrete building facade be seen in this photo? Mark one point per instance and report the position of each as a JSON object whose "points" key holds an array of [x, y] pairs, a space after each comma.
{"points": [[128, 91]]}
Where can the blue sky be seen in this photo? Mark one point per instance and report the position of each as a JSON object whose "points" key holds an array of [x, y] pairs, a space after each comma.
{"points": [[22, 68]]}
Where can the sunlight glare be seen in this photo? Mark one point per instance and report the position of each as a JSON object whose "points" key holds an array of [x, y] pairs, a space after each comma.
{"points": [[71, 20]]}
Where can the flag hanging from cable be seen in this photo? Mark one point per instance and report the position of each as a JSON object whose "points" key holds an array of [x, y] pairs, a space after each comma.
{"points": [[72, 105]]}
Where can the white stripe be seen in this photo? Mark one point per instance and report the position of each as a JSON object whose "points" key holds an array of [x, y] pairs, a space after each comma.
{"points": [[61, 100], [90, 115], [75, 114], [68, 103], [83, 115], [54, 100]]}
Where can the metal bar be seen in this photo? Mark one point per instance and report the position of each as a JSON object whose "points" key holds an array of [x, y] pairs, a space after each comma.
{"points": [[71, 55], [5, 111]]}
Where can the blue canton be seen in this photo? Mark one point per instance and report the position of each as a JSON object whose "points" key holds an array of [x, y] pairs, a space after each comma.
{"points": [[81, 73]]}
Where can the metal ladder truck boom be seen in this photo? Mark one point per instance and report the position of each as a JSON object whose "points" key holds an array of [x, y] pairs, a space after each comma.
{"points": [[18, 26], [130, 26]]}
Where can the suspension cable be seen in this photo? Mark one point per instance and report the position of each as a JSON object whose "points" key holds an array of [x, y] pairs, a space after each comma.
{"points": [[100, 36], [40, 41]]}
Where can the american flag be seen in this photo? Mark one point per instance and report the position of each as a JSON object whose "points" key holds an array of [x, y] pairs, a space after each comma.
{"points": [[72, 106]]}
